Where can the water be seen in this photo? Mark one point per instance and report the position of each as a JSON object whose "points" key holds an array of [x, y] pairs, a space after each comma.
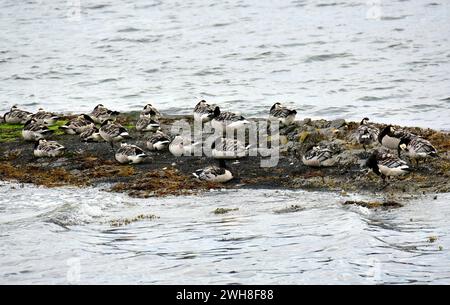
{"points": [[388, 61], [65, 236]]}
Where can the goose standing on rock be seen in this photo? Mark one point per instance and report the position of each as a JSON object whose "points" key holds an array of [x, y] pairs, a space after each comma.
{"points": [[44, 117], [390, 138], [130, 154], [16, 116], [101, 114], [34, 131], [387, 165], [44, 148], [78, 125], [158, 141], [227, 120], [203, 112], [366, 134], [418, 148], [113, 132], [318, 156], [151, 111], [282, 114], [91, 135], [146, 123], [182, 147]]}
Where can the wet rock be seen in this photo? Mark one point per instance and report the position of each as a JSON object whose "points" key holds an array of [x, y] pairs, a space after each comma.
{"points": [[374, 204], [339, 123], [220, 211], [291, 209]]}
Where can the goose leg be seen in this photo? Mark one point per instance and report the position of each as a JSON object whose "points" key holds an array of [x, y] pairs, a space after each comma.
{"points": [[386, 184]]}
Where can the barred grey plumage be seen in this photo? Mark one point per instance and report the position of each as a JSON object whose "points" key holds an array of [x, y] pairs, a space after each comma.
{"points": [[91, 135], [283, 114], [214, 174], [319, 156], [225, 148], [203, 112], [113, 132], [16, 116], [101, 114], [34, 131], [128, 153], [386, 165], [158, 141], [151, 111], [45, 148], [366, 134], [44, 117], [146, 123], [78, 125]]}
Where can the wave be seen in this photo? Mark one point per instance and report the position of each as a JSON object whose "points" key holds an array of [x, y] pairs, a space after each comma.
{"points": [[324, 57]]}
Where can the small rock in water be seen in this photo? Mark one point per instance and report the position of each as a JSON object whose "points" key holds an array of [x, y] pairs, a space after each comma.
{"points": [[374, 204], [291, 209], [432, 239], [219, 211]]}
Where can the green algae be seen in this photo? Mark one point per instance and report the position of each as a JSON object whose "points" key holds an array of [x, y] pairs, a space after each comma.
{"points": [[12, 132]]}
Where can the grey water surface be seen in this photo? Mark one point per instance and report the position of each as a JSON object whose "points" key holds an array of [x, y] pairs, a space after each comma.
{"points": [[64, 235], [388, 60]]}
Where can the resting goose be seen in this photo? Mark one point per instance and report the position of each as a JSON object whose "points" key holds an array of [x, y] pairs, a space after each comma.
{"points": [[34, 131], [158, 141], [146, 123], [44, 148], [182, 147], [227, 120], [282, 114], [130, 154], [78, 125], [228, 149], [16, 116], [318, 156], [113, 132], [91, 135], [213, 174], [101, 114], [151, 111], [44, 117], [203, 112]]}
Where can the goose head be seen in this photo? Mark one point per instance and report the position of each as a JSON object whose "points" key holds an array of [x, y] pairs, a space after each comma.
{"points": [[30, 121], [277, 105], [216, 111], [107, 122], [364, 121]]}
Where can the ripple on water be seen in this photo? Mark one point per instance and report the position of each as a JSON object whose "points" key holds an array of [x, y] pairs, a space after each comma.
{"points": [[320, 238], [325, 57]]}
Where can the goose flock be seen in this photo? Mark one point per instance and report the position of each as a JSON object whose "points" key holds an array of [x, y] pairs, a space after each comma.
{"points": [[101, 125]]}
